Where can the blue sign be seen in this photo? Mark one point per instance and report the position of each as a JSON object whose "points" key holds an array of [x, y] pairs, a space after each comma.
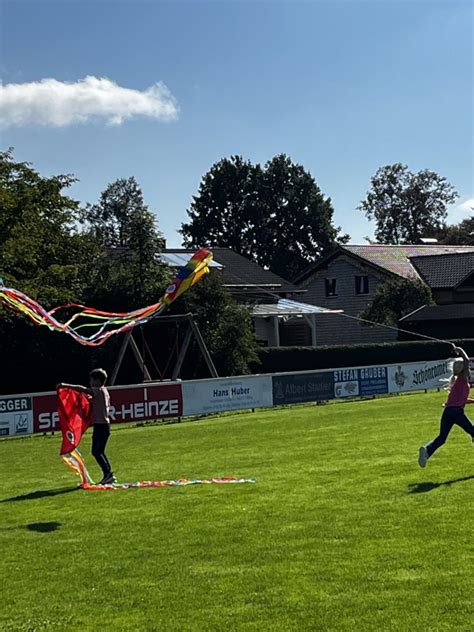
{"points": [[373, 380], [360, 382], [305, 387]]}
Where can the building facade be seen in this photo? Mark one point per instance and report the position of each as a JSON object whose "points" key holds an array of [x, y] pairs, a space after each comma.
{"points": [[347, 277]]}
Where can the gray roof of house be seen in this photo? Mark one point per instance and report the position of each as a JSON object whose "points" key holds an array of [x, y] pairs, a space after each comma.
{"points": [[239, 272], [444, 271], [392, 259]]}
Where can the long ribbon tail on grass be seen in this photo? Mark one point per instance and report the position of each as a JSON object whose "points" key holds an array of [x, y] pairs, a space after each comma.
{"points": [[76, 463], [104, 324], [181, 482]]}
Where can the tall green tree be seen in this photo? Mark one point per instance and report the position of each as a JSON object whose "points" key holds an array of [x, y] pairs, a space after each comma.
{"points": [[128, 271], [396, 298], [42, 252], [407, 206], [275, 215]]}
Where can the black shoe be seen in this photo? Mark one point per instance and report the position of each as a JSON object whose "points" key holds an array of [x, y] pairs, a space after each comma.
{"points": [[108, 479]]}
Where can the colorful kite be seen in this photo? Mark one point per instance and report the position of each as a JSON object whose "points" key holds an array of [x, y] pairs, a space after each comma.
{"points": [[105, 324]]}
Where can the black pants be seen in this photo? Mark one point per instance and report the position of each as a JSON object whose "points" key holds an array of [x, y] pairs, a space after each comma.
{"points": [[100, 436], [450, 417]]}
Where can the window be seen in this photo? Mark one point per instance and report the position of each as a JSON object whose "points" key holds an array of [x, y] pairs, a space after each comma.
{"points": [[331, 287], [362, 284]]}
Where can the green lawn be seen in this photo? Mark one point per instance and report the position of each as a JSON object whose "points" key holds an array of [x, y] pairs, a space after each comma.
{"points": [[342, 530]]}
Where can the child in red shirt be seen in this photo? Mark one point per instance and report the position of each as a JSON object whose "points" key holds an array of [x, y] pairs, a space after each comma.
{"points": [[454, 407]]}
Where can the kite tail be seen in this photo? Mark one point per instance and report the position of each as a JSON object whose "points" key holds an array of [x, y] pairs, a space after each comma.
{"points": [[76, 463], [182, 482]]}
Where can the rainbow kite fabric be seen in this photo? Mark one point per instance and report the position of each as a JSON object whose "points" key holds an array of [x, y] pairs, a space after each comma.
{"points": [[105, 324], [75, 461]]}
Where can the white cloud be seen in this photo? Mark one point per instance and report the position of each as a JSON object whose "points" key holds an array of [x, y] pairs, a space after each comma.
{"points": [[59, 103], [467, 206]]}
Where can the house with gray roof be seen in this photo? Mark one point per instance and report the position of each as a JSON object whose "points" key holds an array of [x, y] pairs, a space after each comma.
{"points": [[347, 277], [451, 279]]}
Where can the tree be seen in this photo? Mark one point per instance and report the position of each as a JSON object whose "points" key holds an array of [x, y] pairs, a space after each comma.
{"points": [[407, 206], [395, 298], [275, 216], [42, 252], [225, 326], [128, 272], [458, 234]]}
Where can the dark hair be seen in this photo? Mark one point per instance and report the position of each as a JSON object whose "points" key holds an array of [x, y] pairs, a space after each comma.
{"points": [[100, 375]]}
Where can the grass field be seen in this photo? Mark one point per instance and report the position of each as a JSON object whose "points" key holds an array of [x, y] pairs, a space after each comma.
{"points": [[342, 530]]}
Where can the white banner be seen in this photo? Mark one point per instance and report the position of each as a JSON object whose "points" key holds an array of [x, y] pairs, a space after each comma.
{"points": [[16, 416], [418, 376], [212, 396]]}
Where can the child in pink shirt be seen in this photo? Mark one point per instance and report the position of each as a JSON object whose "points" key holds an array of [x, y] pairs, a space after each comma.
{"points": [[454, 407]]}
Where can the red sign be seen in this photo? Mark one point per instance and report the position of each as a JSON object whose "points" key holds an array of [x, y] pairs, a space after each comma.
{"points": [[45, 413], [127, 404], [146, 402]]}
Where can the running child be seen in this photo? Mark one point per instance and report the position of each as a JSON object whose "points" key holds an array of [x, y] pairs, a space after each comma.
{"points": [[100, 420], [454, 407]]}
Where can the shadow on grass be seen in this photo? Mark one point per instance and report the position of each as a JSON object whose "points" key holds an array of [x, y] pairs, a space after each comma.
{"points": [[42, 493], [38, 527], [43, 527], [420, 488]]}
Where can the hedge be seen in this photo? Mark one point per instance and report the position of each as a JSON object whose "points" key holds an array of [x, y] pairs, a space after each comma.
{"points": [[284, 359]]}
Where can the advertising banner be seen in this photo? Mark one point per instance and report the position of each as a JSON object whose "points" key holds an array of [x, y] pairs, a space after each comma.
{"points": [[127, 404], [24, 414], [303, 387], [360, 382], [146, 402], [212, 396], [16, 416], [418, 376]]}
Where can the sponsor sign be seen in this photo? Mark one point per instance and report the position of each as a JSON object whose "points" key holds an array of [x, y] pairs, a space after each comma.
{"points": [[373, 380], [126, 405], [346, 383], [303, 387], [210, 396], [16, 415], [45, 413], [147, 402], [360, 381], [418, 376]]}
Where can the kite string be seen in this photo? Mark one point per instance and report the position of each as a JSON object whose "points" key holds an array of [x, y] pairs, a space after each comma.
{"points": [[406, 331]]}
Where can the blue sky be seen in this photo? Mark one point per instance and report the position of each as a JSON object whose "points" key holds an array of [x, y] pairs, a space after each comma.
{"points": [[341, 87]]}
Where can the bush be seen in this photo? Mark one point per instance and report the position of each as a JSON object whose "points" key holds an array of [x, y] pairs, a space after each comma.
{"points": [[286, 359]]}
